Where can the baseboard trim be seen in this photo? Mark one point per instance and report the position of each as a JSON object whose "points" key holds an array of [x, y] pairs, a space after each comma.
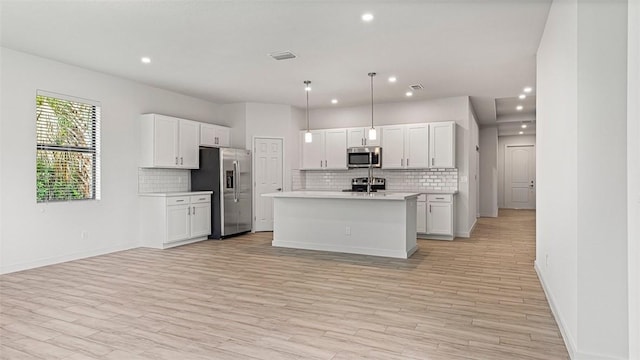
{"points": [[467, 234], [64, 258], [568, 341], [574, 353]]}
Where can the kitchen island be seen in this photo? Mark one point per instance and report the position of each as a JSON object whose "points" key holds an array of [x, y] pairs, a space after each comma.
{"points": [[381, 224]]}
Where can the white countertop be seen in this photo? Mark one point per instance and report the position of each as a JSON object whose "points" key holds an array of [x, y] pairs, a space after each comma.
{"points": [[307, 194], [178, 193]]}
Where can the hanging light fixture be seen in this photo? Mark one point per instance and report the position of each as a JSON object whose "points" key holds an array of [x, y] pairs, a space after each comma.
{"points": [[372, 131], [307, 136]]}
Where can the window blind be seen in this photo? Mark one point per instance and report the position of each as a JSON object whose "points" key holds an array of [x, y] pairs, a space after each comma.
{"points": [[67, 148]]}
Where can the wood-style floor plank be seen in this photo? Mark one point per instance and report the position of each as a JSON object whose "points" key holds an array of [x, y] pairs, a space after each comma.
{"points": [[240, 298]]}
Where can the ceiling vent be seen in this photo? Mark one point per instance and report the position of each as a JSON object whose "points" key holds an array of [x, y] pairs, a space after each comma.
{"points": [[416, 87], [283, 55]]}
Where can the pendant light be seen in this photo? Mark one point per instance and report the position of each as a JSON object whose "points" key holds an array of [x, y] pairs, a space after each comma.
{"points": [[372, 131], [307, 136]]}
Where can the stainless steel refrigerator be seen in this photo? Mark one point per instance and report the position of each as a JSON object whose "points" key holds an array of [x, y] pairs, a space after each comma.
{"points": [[227, 172]]}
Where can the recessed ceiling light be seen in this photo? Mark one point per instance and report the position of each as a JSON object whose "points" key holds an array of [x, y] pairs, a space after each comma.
{"points": [[521, 132], [522, 96], [334, 101], [524, 126], [145, 60], [367, 17], [409, 93], [527, 89], [519, 107], [392, 79]]}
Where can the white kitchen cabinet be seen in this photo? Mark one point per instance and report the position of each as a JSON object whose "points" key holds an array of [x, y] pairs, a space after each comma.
{"points": [[405, 146], [421, 214], [168, 142], [214, 135], [442, 144], [189, 139], [326, 151], [168, 220], [392, 147], [440, 217], [357, 137], [416, 146], [200, 219]]}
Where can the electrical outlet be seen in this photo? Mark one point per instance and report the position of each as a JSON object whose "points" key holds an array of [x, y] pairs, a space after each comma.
{"points": [[347, 230]]}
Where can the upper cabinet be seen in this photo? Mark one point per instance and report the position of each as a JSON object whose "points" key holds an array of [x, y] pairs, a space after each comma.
{"points": [[168, 142], [359, 137], [405, 146], [326, 151], [214, 135], [442, 144]]}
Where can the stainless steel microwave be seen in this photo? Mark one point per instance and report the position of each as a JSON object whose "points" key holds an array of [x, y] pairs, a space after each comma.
{"points": [[364, 157]]}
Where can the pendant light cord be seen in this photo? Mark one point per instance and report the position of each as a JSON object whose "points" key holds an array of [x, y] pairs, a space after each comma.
{"points": [[372, 74]]}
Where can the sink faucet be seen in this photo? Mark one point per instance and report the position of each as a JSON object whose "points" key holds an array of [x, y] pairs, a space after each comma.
{"points": [[370, 180]]}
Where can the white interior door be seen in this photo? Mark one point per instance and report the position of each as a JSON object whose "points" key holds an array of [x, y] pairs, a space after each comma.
{"points": [[520, 177], [267, 155]]}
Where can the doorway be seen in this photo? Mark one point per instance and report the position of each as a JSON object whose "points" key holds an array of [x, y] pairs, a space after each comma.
{"points": [[268, 178], [520, 177]]}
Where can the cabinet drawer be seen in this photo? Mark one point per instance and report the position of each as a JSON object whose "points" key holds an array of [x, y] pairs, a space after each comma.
{"points": [[196, 199], [439, 197], [178, 200]]}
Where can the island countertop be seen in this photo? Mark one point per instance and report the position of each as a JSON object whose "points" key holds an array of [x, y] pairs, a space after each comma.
{"points": [[395, 196]]}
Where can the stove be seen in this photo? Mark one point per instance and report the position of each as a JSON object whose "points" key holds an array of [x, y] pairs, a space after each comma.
{"points": [[360, 184]]}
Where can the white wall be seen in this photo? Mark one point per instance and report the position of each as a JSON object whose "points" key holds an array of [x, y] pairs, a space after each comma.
{"points": [[582, 233], [489, 171], [274, 120], [556, 170], [633, 166], [234, 115], [503, 141], [35, 234], [445, 109], [602, 215]]}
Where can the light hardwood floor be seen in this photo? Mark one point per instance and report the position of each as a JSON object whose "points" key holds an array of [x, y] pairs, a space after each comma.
{"points": [[240, 298]]}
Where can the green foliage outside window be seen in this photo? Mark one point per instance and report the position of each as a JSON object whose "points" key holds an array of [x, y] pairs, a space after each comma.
{"points": [[66, 155]]}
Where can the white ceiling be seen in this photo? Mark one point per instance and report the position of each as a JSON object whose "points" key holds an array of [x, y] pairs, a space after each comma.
{"points": [[217, 50]]}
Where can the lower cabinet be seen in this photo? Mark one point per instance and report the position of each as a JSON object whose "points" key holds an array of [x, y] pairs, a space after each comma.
{"points": [[421, 223], [439, 217], [173, 220]]}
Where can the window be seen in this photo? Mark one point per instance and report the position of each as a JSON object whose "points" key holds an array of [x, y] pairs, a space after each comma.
{"points": [[67, 149]]}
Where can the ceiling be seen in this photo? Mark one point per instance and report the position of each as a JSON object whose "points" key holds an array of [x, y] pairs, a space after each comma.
{"points": [[218, 50]]}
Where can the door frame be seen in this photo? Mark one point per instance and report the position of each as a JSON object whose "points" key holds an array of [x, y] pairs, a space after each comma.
{"points": [[254, 196], [504, 175]]}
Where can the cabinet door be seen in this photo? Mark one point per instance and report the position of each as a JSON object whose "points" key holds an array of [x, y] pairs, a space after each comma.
{"points": [[208, 135], [189, 140], [392, 147], [224, 136], [200, 219], [355, 137], [335, 142], [416, 149], [442, 145], [421, 224], [165, 141], [313, 152], [439, 218], [178, 222]]}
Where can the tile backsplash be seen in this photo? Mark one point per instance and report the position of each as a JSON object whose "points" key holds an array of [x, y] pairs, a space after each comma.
{"points": [[163, 180], [399, 180]]}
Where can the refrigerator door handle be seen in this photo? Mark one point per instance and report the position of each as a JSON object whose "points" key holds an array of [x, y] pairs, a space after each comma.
{"points": [[235, 180]]}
